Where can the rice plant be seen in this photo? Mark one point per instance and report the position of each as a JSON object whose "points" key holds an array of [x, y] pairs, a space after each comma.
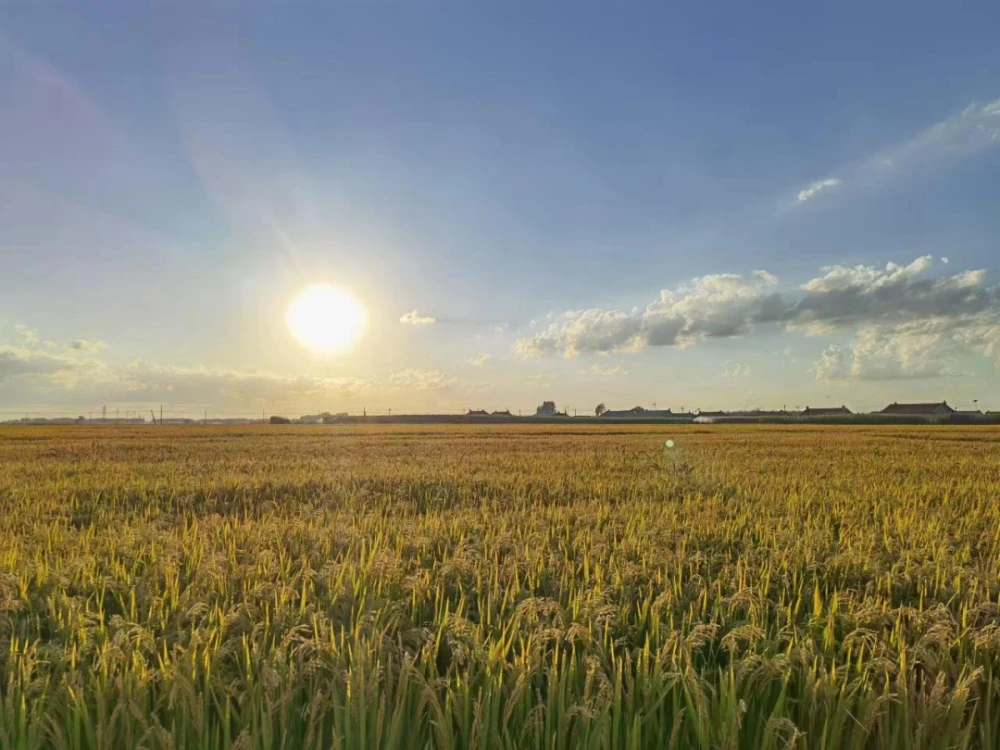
{"points": [[500, 587]]}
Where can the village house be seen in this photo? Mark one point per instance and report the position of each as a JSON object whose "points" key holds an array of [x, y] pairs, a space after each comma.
{"points": [[924, 411], [638, 413]]}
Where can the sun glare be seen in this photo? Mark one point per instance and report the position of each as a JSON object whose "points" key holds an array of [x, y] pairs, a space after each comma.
{"points": [[326, 318]]}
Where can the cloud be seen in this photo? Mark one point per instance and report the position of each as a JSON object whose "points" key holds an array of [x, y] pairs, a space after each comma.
{"points": [[846, 296], [47, 363], [908, 326], [423, 380], [908, 323], [880, 354], [25, 334], [975, 129], [732, 369], [83, 345], [716, 306], [19, 361], [607, 372], [944, 259], [416, 319], [143, 381], [815, 187], [75, 374], [480, 359], [585, 331]]}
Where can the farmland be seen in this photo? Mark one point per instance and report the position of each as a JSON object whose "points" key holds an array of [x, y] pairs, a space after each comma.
{"points": [[500, 587]]}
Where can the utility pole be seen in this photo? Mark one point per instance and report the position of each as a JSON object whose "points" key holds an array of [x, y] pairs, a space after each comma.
{"points": [[104, 413], [161, 413], [152, 416]]}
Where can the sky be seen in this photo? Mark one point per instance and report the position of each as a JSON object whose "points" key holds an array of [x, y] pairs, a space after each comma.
{"points": [[696, 205]]}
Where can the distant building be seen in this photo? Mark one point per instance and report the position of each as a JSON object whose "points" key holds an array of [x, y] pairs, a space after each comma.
{"points": [[925, 411], [833, 411], [504, 413], [477, 413], [638, 414]]}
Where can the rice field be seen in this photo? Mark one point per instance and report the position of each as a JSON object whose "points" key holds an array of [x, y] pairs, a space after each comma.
{"points": [[500, 587]]}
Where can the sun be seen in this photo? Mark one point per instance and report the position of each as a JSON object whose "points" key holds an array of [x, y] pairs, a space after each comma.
{"points": [[326, 318]]}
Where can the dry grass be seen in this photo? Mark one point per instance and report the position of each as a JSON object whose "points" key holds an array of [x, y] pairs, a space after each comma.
{"points": [[509, 586]]}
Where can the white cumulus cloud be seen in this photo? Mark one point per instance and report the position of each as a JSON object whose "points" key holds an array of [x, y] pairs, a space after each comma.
{"points": [[414, 318], [480, 359], [907, 321], [732, 369], [83, 345], [715, 306]]}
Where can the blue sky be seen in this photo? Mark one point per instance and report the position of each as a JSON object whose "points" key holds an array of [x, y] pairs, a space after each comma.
{"points": [[530, 177]]}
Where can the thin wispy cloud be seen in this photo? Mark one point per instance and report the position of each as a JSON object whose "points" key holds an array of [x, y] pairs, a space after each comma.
{"points": [[816, 187], [972, 131], [976, 128], [420, 379], [607, 371], [414, 318]]}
